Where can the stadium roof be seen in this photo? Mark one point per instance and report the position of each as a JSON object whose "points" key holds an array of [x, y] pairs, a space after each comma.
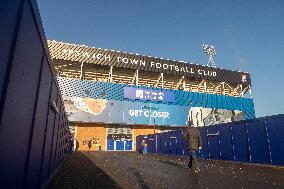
{"points": [[105, 57]]}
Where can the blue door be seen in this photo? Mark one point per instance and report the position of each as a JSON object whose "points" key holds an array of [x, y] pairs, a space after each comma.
{"points": [[110, 144], [128, 145], [119, 145]]}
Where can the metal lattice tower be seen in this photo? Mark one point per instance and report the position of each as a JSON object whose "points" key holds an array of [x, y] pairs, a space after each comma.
{"points": [[210, 51]]}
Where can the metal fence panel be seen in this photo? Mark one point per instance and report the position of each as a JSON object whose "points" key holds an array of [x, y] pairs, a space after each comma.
{"points": [[173, 142], [225, 138], [240, 143], [48, 138], [204, 151], [19, 107], [26, 74], [258, 147], [213, 143], [275, 133], [39, 128]]}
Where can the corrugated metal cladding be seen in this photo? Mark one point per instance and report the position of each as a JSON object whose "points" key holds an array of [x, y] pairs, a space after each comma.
{"points": [[34, 136], [80, 53]]}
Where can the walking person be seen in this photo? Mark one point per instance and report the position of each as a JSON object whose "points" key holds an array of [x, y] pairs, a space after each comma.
{"points": [[142, 146], [89, 145], [193, 138]]}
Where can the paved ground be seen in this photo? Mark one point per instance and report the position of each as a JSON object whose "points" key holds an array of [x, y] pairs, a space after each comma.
{"points": [[129, 170]]}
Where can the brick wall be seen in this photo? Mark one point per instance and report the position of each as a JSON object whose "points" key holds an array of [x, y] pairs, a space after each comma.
{"points": [[90, 131]]}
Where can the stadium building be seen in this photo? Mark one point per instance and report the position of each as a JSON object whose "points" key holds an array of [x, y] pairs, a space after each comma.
{"points": [[111, 96]]}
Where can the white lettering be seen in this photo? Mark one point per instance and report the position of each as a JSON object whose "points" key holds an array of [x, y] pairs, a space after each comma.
{"points": [[107, 57], [118, 59], [100, 56], [158, 65], [171, 66], [146, 113], [125, 60], [165, 114], [134, 61], [86, 54], [77, 53], [70, 52], [142, 63], [176, 68], [65, 51], [165, 66], [131, 112]]}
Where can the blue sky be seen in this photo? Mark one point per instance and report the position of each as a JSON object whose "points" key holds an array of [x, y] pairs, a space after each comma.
{"points": [[246, 34]]}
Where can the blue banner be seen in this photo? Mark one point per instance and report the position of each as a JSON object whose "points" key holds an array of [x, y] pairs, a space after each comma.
{"points": [[113, 111], [149, 94]]}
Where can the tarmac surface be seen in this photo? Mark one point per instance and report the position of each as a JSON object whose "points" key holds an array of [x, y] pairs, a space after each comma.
{"points": [[130, 170]]}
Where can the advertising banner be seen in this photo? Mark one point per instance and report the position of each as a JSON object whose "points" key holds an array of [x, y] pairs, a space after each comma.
{"points": [[149, 94], [113, 111]]}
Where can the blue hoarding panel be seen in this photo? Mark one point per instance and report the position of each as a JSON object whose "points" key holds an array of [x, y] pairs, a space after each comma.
{"points": [[163, 143], [39, 129], [158, 143], [48, 136], [259, 152], [173, 142], [179, 143], [257, 141], [150, 143], [213, 143], [275, 132], [239, 140], [225, 137], [204, 151]]}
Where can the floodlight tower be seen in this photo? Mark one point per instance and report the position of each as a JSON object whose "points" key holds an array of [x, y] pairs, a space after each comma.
{"points": [[210, 51]]}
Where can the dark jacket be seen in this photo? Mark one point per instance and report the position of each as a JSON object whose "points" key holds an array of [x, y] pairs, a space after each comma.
{"points": [[193, 138]]}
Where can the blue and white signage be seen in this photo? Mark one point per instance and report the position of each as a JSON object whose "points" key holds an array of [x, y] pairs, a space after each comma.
{"points": [[148, 94], [115, 111]]}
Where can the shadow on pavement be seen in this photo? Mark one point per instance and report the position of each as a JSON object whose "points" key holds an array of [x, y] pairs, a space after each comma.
{"points": [[79, 172]]}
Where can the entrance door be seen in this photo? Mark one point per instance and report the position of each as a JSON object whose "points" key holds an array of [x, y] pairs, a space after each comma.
{"points": [[110, 144], [128, 145], [119, 145]]}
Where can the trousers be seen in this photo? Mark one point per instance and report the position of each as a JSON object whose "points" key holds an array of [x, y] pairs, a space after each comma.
{"points": [[193, 162]]}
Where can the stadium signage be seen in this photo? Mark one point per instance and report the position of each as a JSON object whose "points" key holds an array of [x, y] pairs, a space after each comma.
{"points": [[148, 113], [91, 55], [149, 94], [141, 63]]}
